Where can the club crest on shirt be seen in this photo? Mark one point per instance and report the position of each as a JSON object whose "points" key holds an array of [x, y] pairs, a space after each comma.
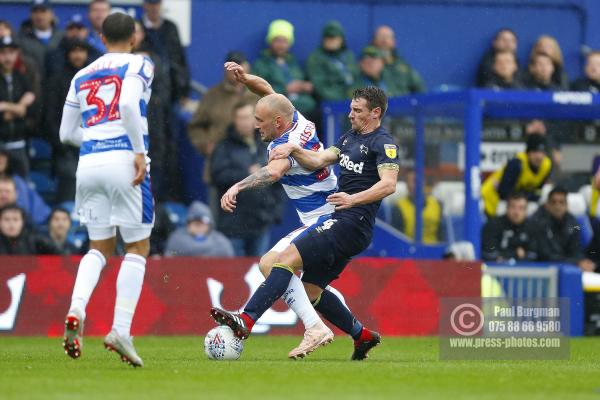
{"points": [[364, 149], [390, 150]]}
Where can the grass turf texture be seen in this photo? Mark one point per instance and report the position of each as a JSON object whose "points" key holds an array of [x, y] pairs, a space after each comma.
{"points": [[176, 368]]}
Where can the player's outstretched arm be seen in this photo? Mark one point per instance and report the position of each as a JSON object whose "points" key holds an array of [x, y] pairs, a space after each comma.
{"points": [[385, 187], [265, 176], [254, 83], [308, 159]]}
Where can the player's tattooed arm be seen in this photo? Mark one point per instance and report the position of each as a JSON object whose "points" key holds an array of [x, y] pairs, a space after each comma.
{"points": [[259, 179]]}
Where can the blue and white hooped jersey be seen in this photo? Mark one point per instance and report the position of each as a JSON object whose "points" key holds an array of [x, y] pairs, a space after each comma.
{"points": [[96, 91], [308, 190]]}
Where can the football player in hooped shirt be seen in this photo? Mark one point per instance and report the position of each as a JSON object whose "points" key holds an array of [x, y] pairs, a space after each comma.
{"points": [[368, 173]]}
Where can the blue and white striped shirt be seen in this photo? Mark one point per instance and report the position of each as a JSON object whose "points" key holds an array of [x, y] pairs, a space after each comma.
{"points": [[308, 190]]}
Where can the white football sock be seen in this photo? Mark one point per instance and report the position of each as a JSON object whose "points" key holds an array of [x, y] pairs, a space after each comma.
{"points": [[88, 274], [296, 298], [129, 288]]}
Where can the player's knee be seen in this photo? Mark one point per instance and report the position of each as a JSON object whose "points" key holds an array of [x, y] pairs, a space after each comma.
{"points": [[266, 263], [140, 248], [313, 292], [289, 257]]}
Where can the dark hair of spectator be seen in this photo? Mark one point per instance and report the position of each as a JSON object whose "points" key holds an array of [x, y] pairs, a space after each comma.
{"points": [[374, 96], [538, 54], [12, 207], [8, 170], [558, 190], [58, 210], [118, 27], [236, 56], [516, 196], [241, 104], [502, 30]]}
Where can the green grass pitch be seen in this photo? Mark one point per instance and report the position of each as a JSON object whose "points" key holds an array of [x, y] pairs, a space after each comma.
{"points": [[176, 368]]}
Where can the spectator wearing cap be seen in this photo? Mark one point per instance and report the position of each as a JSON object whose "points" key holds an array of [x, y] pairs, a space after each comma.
{"points": [[215, 112], [76, 30], [16, 99], [282, 70], [526, 173], [559, 232], [17, 239], [65, 156], [163, 39], [59, 224], [14, 189], [406, 78], [40, 34], [372, 72], [25, 64], [238, 155], [198, 238], [98, 10], [332, 67]]}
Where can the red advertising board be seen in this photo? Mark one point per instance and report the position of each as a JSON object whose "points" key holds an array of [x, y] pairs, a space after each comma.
{"points": [[395, 297]]}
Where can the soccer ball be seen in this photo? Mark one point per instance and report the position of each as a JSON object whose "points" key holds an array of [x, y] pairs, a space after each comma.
{"points": [[221, 344]]}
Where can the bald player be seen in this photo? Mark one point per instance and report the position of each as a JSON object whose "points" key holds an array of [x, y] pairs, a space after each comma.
{"points": [[279, 123]]}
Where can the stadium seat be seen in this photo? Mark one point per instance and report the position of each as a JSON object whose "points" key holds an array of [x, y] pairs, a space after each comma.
{"points": [[576, 204], [39, 149], [177, 212], [545, 191], [44, 184], [586, 231], [586, 192], [443, 190]]}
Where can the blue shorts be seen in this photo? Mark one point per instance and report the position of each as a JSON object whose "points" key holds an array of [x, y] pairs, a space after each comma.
{"points": [[326, 248]]}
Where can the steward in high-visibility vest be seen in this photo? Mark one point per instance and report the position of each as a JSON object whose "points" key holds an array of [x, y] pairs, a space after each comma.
{"points": [[595, 201], [526, 173], [404, 214]]}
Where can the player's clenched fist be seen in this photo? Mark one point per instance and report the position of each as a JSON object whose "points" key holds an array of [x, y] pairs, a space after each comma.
{"points": [[238, 71], [228, 200]]}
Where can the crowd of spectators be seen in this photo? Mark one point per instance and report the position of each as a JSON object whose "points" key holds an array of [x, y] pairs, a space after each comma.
{"points": [[38, 60]]}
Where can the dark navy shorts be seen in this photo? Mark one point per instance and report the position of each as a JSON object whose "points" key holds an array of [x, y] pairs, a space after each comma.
{"points": [[326, 248]]}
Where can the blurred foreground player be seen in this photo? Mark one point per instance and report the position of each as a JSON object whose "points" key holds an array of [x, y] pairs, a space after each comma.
{"points": [[102, 115], [369, 168]]}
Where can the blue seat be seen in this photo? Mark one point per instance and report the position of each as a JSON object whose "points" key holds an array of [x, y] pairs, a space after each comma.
{"points": [[177, 212], [585, 232], [39, 149], [42, 183]]}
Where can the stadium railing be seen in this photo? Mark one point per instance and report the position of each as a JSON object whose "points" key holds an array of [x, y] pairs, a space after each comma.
{"points": [[468, 108], [533, 281]]}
